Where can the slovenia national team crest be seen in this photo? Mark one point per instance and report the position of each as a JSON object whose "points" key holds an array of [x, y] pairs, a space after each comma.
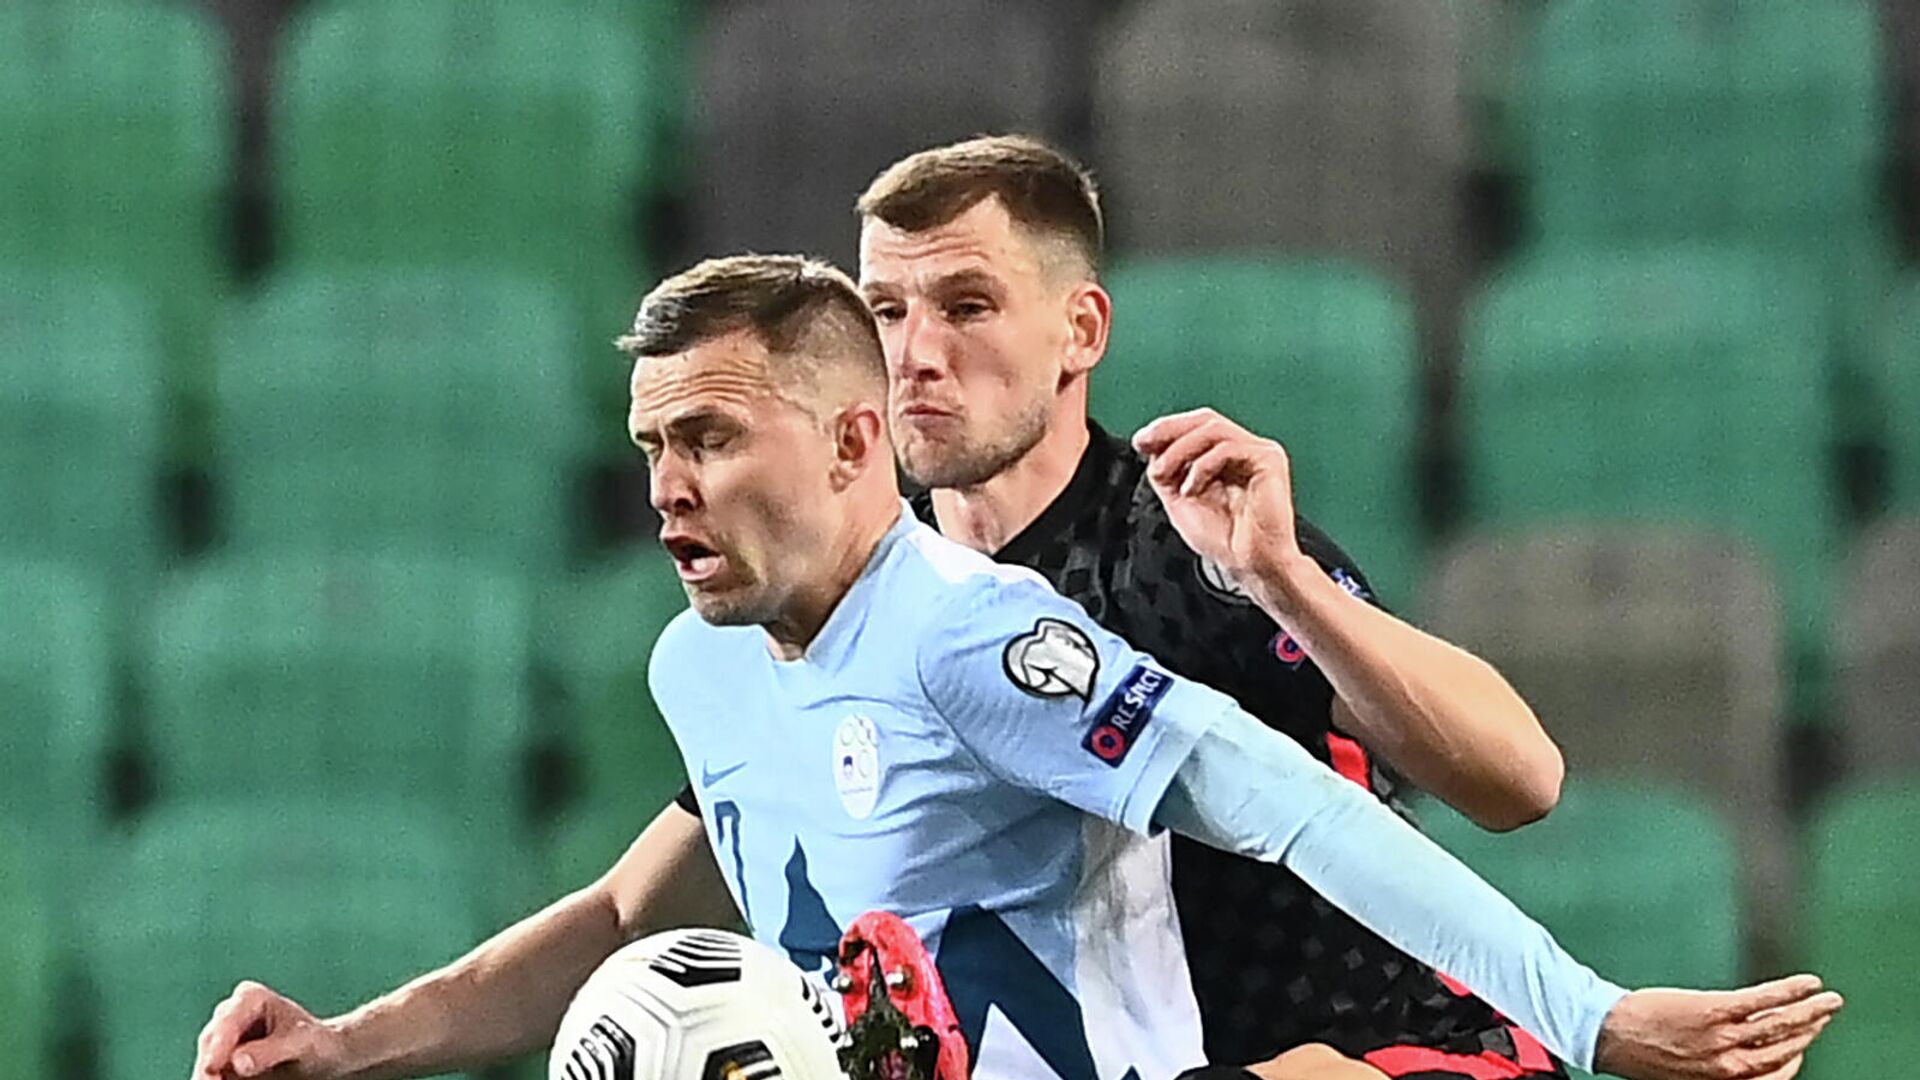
{"points": [[856, 765], [1054, 659]]}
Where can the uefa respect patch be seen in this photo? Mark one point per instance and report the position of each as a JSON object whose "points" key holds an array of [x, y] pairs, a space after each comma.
{"points": [[1124, 715]]}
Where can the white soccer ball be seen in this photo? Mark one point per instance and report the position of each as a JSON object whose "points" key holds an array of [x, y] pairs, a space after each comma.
{"points": [[697, 1005]]}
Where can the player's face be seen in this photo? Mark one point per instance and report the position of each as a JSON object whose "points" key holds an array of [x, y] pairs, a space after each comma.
{"points": [[738, 475], [974, 328]]}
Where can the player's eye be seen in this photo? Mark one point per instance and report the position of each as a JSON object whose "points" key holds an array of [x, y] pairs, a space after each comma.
{"points": [[967, 310], [888, 313], [710, 441]]}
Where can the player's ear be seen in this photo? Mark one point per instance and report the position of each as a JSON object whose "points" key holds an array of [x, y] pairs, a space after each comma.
{"points": [[859, 442], [1089, 318]]}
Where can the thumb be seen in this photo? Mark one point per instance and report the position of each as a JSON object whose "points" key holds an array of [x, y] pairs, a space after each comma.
{"points": [[260, 1056]]}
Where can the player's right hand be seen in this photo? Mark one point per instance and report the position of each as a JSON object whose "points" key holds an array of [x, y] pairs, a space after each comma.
{"points": [[1760, 1033], [257, 1032]]}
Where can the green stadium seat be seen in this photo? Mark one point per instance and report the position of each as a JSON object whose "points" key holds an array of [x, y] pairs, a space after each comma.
{"points": [[1877, 676], [1652, 655], [56, 693], [1639, 881], [1318, 355], [373, 676], [29, 982], [599, 630], [478, 133], [1682, 387], [1863, 931], [80, 402], [117, 123], [1895, 375], [385, 410], [1759, 123], [330, 903], [1688, 118]]}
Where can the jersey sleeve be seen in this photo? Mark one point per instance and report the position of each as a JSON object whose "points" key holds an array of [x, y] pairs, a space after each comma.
{"points": [[1253, 792], [1048, 700]]}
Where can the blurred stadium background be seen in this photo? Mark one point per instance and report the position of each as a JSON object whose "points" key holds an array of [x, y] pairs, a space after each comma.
{"points": [[325, 583]]}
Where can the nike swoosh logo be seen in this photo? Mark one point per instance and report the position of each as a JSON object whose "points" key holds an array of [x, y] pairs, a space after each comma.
{"points": [[708, 779]]}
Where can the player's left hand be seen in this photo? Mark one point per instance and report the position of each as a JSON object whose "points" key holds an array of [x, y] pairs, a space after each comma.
{"points": [[1760, 1033], [1228, 491]]}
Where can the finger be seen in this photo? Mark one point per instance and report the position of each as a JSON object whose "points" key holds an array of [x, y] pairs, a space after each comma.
{"points": [[230, 1021], [1170, 464], [1211, 465], [1153, 438], [1764, 1059], [1785, 1072], [1741, 1004], [1786, 1021], [264, 1055]]}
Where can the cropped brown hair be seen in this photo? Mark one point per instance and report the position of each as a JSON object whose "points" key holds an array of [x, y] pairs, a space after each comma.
{"points": [[1042, 188], [793, 304]]}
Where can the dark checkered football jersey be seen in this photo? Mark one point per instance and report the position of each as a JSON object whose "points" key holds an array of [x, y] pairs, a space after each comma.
{"points": [[1274, 965]]}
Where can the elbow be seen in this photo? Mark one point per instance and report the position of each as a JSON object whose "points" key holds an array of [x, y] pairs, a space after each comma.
{"points": [[1529, 794]]}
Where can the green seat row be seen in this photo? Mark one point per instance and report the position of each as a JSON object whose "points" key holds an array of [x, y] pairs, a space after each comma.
{"points": [[1864, 927], [1750, 123], [491, 134], [1684, 386], [598, 631], [393, 410], [117, 120], [1319, 355], [330, 902], [486, 134]]}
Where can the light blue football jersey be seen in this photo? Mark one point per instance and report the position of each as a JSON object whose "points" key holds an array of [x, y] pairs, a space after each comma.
{"points": [[964, 747]]}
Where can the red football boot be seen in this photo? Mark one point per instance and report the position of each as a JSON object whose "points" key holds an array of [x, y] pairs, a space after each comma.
{"points": [[900, 1025]]}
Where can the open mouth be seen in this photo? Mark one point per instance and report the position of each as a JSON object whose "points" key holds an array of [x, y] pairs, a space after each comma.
{"points": [[694, 561]]}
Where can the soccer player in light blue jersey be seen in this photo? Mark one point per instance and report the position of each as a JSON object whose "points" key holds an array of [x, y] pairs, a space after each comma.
{"points": [[877, 718]]}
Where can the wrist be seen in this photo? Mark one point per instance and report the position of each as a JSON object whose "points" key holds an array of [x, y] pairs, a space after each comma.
{"points": [[1285, 582], [345, 1036]]}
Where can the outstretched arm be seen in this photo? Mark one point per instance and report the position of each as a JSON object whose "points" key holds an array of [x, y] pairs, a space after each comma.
{"points": [[1252, 791], [503, 999]]}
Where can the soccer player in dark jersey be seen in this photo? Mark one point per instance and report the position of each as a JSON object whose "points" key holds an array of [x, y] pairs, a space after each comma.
{"points": [[980, 263]]}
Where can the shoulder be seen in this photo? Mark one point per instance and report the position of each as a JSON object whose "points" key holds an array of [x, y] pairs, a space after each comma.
{"points": [[953, 573]]}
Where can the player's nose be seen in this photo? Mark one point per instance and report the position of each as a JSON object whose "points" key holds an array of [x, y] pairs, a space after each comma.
{"points": [[670, 486], [919, 353]]}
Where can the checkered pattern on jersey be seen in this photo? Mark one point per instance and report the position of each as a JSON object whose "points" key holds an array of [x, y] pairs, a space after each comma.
{"points": [[1274, 965]]}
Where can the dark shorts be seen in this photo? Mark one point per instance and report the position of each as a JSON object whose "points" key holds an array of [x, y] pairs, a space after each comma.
{"points": [[1526, 1060]]}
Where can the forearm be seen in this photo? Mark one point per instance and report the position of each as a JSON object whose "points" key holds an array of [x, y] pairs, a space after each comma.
{"points": [[503, 999], [1441, 715], [1249, 790], [506, 997]]}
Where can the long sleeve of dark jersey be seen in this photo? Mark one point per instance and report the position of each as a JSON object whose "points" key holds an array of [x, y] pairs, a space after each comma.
{"points": [[1252, 791]]}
